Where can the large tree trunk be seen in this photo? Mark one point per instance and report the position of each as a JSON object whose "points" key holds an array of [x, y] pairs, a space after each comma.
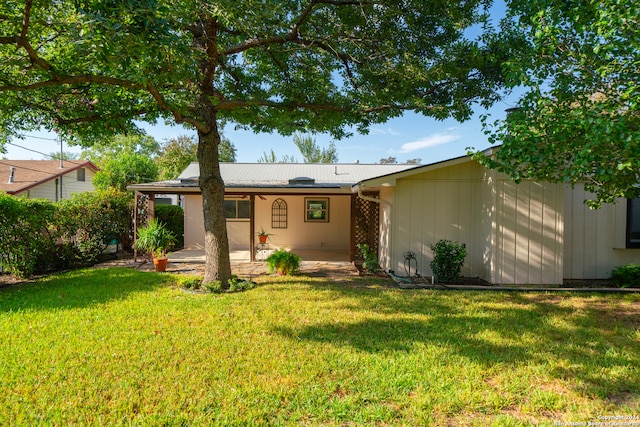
{"points": [[216, 243]]}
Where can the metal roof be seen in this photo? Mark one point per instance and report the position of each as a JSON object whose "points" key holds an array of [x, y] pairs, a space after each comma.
{"points": [[294, 175]]}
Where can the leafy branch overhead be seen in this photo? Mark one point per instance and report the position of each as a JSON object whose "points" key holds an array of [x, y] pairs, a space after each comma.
{"points": [[578, 120], [90, 68]]}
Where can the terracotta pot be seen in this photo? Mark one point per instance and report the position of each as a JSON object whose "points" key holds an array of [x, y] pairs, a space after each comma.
{"points": [[160, 264], [263, 239]]}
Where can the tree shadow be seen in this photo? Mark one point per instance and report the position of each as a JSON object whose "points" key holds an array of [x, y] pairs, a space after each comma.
{"points": [[592, 344], [79, 289]]}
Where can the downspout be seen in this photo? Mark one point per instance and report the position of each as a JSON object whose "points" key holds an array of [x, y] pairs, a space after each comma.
{"points": [[371, 199], [375, 200]]}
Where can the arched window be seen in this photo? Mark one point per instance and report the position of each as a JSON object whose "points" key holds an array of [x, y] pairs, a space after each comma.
{"points": [[279, 214]]}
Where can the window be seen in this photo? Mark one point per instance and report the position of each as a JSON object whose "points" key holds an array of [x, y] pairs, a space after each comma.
{"points": [[316, 209], [633, 223], [81, 174], [279, 214], [237, 209]]}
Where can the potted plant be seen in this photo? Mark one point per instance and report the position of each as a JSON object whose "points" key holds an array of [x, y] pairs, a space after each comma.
{"points": [[283, 262], [155, 239], [263, 235]]}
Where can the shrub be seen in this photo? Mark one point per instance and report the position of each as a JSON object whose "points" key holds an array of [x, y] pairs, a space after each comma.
{"points": [[448, 258], [155, 239], [173, 219], [237, 285], [27, 240], [215, 286], [626, 276], [283, 262], [370, 263], [90, 220], [190, 282]]}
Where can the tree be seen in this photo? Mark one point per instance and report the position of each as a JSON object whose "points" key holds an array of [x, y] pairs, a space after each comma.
{"points": [[92, 68], [66, 155], [125, 169], [106, 149], [177, 153], [389, 160], [578, 120], [226, 150], [312, 153]]}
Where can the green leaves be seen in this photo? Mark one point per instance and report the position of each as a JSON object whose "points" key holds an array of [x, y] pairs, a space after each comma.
{"points": [[578, 120]]}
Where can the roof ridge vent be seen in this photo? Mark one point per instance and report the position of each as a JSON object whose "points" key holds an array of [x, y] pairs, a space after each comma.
{"points": [[302, 180]]}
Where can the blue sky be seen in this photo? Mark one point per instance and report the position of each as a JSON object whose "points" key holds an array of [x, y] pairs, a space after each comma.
{"points": [[407, 137]]}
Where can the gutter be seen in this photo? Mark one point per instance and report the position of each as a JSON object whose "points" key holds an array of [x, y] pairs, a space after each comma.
{"points": [[371, 199]]}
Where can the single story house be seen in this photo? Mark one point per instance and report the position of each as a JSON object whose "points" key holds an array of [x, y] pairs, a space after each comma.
{"points": [[527, 233], [47, 179]]}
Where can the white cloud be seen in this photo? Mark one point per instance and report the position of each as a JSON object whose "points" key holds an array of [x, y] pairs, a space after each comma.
{"points": [[380, 131], [429, 141]]}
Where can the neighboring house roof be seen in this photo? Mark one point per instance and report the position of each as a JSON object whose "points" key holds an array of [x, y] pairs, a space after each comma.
{"points": [[31, 173], [270, 176]]}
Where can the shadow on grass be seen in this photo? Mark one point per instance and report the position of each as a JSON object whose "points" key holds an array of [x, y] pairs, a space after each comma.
{"points": [[590, 343], [78, 289]]}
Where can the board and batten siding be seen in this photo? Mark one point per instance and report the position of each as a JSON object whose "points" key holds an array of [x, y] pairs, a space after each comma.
{"points": [[528, 233], [513, 232], [595, 240], [439, 204]]}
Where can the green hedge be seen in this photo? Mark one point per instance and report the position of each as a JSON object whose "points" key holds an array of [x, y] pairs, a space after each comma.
{"points": [[173, 219], [27, 239], [37, 235]]}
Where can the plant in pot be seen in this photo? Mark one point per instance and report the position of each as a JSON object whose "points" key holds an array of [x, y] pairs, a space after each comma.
{"points": [[263, 235], [283, 262], [155, 239]]}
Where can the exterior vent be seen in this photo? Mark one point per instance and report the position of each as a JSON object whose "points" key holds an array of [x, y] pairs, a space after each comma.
{"points": [[302, 180], [12, 172]]}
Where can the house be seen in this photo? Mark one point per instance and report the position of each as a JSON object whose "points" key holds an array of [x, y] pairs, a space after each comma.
{"points": [[48, 179], [527, 233]]}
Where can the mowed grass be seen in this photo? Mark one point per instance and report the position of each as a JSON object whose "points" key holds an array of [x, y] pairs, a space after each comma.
{"points": [[122, 347]]}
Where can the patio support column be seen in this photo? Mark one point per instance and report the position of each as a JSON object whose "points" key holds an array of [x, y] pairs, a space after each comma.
{"points": [[252, 228]]}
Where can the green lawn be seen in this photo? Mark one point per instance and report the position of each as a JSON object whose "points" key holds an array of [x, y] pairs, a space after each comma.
{"points": [[122, 347]]}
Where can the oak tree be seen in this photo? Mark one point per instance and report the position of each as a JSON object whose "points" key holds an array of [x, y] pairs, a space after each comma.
{"points": [[88, 68]]}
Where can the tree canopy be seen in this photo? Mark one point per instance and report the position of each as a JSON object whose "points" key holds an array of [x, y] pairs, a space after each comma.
{"points": [[578, 120], [309, 149], [176, 154], [87, 69]]}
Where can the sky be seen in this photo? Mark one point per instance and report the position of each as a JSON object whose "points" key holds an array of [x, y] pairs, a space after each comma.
{"points": [[408, 137]]}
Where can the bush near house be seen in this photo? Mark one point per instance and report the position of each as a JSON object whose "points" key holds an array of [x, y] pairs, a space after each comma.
{"points": [[626, 276], [37, 235], [27, 241], [91, 220], [448, 259]]}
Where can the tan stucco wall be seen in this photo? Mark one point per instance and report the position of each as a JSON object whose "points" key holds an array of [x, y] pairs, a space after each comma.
{"points": [[594, 239], [512, 232], [332, 235], [193, 222]]}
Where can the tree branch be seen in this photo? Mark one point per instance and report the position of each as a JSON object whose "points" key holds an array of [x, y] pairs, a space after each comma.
{"points": [[233, 104]]}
